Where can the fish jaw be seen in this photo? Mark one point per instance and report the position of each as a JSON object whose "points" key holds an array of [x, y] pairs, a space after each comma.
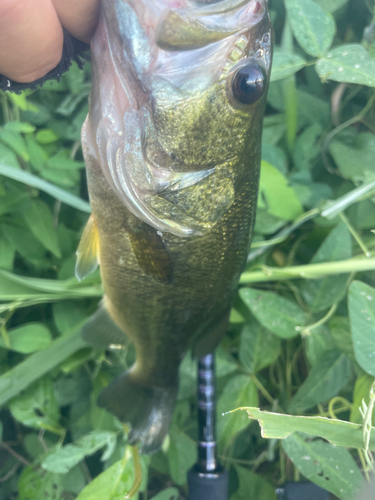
{"points": [[161, 117]]}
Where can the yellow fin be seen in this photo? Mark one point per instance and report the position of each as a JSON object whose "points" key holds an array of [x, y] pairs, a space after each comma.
{"points": [[88, 250]]}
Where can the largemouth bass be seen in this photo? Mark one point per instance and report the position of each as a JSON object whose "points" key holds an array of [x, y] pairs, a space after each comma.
{"points": [[172, 145]]}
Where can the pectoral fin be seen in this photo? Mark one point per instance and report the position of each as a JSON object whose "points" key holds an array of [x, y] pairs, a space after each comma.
{"points": [[88, 250], [151, 253]]}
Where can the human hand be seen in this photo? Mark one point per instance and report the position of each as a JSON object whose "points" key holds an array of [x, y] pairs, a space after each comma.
{"points": [[31, 34]]}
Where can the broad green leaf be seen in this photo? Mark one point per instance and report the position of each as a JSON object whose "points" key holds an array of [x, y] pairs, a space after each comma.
{"points": [[331, 5], [332, 468], [35, 112], [35, 447], [35, 484], [254, 485], [40, 221], [55, 86], [362, 215], [337, 432], [266, 223], [312, 109], [63, 459], [273, 128], [349, 64], [46, 136], [355, 157], [68, 240], [63, 177], [307, 149], [56, 192], [323, 293], [168, 494], [38, 156], [8, 157], [16, 142], [26, 244], [325, 379], [74, 78], [37, 406], [276, 196], [317, 343], [61, 160], [258, 347], [239, 391], [112, 484], [361, 300], [182, 454], [29, 337], [187, 377], [71, 101], [75, 480], [25, 128], [275, 156], [236, 317], [11, 201], [340, 331], [99, 418], [20, 100], [313, 28], [225, 364], [285, 65], [68, 313], [35, 366], [281, 316], [7, 253], [73, 386]]}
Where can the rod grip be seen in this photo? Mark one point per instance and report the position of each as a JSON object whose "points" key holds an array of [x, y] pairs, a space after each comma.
{"points": [[208, 485]]}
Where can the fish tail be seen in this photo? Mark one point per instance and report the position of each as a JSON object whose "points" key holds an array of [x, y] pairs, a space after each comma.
{"points": [[147, 410]]}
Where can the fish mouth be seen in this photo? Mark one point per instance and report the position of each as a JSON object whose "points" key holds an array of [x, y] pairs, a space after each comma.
{"points": [[206, 22]]}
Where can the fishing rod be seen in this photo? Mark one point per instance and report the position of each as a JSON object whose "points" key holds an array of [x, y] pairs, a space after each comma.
{"points": [[207, 480]]}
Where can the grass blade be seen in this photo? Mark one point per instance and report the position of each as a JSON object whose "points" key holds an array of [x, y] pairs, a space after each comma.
{"points": [[54, 191]]}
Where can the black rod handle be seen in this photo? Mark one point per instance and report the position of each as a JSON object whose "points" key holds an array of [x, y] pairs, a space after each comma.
{"points": [[208, 486], [207, 480], [207, 460]]}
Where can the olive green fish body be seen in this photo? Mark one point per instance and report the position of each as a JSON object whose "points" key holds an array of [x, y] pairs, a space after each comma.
{"points": [[173, 167]]}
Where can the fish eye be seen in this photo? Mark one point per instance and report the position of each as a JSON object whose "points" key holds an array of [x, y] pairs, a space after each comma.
{"points": [[249, 83]]}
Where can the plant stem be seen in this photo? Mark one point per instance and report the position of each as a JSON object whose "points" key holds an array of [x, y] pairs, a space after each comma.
{"points": [[308, 329], [309, 271], [265, 393], [355, 235], [335, 400], [342, 127]]}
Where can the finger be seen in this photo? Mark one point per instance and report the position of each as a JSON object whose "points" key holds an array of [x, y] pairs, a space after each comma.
{"points": [[31, 39], [79, 17]]}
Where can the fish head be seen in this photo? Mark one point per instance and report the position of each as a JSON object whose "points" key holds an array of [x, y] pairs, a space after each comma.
{"points": [[179, 91]]}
